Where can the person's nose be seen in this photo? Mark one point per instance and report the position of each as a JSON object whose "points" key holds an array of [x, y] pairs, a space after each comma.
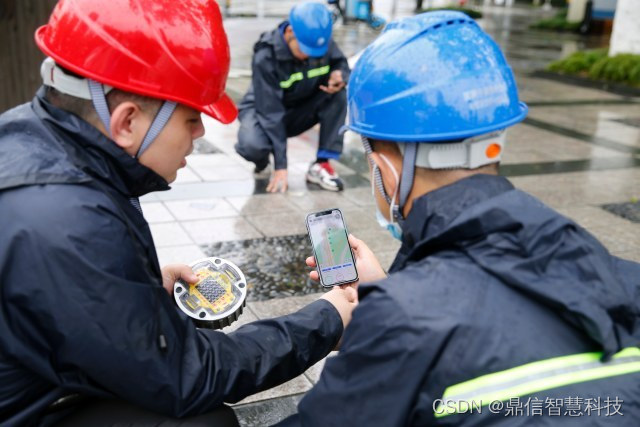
{"points": [[198, 129]]}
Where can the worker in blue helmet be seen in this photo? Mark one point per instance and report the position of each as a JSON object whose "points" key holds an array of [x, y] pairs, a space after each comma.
{"points": [[496, 308], [299, 74]]}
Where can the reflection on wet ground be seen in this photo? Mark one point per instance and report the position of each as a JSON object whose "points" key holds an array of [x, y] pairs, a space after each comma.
{"points": [[272, 265], [630, 210]]}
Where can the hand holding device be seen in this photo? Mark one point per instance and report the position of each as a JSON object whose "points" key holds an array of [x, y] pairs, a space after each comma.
{"points": [[369, 268], [335, 83], [216, 297], [328, 235]]}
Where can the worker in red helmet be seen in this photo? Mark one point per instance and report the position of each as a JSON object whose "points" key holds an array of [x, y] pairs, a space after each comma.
{"points": [[84, 307]]}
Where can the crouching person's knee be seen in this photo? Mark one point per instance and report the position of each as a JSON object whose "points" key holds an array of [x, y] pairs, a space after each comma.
{"points": [[253, 145]]}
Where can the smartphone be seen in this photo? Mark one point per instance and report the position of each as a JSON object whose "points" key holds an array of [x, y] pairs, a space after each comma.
{"points": [[329, 239]]}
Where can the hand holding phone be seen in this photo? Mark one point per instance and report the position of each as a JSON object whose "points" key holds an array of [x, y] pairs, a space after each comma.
{"points": [[329, 239], [369, 268]]}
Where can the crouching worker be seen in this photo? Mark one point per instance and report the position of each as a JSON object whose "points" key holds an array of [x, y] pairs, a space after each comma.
{"points": [[497, 309], [299, 74], [85, 309]]}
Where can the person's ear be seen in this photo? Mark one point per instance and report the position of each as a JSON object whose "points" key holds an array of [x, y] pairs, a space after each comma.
{"points": [[390, 180], [128, 126], [288, 34]]}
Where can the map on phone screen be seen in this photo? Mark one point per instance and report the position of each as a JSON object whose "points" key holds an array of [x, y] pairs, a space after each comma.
{"points": [[331, 248]]}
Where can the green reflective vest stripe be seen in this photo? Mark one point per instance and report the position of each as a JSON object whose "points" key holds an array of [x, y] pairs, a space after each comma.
{"points": [[315, 72], [291, 80], [535, 377], [295, 77]]}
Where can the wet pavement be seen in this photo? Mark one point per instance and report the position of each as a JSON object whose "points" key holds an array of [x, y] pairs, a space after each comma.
{"points": [[578, 151]]}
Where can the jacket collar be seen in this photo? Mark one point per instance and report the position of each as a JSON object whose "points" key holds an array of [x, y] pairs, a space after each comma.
{"points": [[97, 155], [280, 47], [429, 224]]}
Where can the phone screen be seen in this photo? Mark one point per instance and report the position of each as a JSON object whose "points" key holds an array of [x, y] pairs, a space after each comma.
{"points": [[331, 247]]}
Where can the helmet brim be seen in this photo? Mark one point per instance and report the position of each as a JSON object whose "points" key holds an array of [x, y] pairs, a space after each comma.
{"points": [[521, 114], [223, 110], [314, 52]]}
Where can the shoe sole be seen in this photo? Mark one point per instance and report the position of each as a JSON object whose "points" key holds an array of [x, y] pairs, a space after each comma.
{"points": [[319, 182]]}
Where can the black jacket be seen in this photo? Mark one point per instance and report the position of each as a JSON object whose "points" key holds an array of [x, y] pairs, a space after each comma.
{"points": [[81, 297], [487, 279], [280, 82]]}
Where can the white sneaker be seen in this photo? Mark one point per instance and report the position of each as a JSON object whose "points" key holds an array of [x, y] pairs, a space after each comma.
{"points": [[324, 175]]}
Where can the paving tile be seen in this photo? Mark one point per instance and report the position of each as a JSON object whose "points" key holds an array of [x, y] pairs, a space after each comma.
{"points": [[222, 173], [378, 240], [184, 254], [262, 204], [528, 144], [282, 306], [267, 412], [581, 188], [313, 373], [619, 237], [591, 217], [630, 255], [218, 230], [594, 120], [299, 384], [321, 200], [360, 196], [185, 210], [360, 220], [386, 258], [185, 176], [151, 197], [216, 131], [537, 89], [280, 223], [209, 160], [169, 234], [156, 212], [197, 190], [247, 316]]}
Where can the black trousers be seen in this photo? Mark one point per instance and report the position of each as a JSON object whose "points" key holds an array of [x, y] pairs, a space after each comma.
{"points": [[119, 413], [328, 110]]}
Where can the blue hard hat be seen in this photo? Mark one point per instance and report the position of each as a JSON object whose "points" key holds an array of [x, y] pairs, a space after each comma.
{"points": [[436, 76], [311, 24]]}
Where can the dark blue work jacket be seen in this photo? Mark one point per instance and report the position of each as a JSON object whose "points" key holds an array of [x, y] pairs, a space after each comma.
{"points": [[82, 305], [280, 82], [497, 311]]}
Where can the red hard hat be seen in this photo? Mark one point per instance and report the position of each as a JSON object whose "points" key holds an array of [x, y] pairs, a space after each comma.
{"points": [[166, 49]]}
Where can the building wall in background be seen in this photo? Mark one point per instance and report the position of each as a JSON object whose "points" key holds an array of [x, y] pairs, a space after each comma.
{"points": [[626, 28], [20, 58]]}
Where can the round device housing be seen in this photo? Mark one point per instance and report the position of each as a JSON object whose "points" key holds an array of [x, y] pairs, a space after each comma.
{"points": [[219, 296]]}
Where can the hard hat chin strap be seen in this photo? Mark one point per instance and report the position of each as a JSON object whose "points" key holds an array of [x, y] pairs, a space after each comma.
{"points": [[159, 122], [406, 179], [99, 101]]}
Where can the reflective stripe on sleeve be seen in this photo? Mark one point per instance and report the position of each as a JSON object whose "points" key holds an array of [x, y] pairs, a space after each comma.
{"points": [[286, 84], [315, 72], [535, 377]]}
